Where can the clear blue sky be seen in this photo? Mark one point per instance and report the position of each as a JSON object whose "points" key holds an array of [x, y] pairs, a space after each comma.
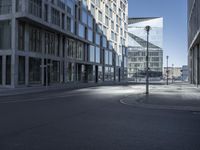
{"points": [[174, 13]]}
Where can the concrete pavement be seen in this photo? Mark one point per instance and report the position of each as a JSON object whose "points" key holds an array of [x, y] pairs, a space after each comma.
{"points": [[93, 119]]}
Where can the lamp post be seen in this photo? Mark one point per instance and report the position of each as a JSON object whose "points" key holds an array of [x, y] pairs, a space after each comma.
{"points": [[147, 28], [167, 69], [172, 72]]}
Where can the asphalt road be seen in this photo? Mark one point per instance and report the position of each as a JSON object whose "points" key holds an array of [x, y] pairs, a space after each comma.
{"points": [[93, 119]]}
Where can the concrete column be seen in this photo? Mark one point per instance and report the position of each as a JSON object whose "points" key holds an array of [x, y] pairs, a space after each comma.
{"points": [[65, 64], [43, 53], [26, 47], [42, 71], [192, 55], [27, 70], [14, 62], [3, 70], [197, 48], [66, 70], [196, 65], [61, 55]]}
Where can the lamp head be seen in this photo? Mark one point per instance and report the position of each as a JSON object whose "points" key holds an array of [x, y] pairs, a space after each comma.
{"points": [[147, 28]]}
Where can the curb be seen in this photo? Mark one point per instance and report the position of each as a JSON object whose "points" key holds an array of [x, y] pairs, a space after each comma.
{"points": [[138, 101]]}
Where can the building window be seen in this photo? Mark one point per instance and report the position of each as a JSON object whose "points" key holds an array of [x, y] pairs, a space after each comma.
{"points": [[90, 35], [84, 16], [5, 35], [21, 70], [52, 44], [98, 39], [63, 21], [98, 3], [104, 30], [71, 51], [5, 6], [97, 55], [35, 40], [1, 64], [81, 30], [100, 17], [90, 21], [70, 24], [46, 12], [106, 21], [55, 16], [34, 70], [104, 42], [112, 35], [18, 5], [112, 25], [80, 51], [21, 35], [70, 7], [92, 10], [106, 57], [92, 52], [55, 71], [8, 70], [57, 45], [35, 8]]}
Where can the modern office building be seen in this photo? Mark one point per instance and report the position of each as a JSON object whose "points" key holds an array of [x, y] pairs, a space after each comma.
{"points": [[137, 45], [112, 19], [45, 42], [194, 41]]}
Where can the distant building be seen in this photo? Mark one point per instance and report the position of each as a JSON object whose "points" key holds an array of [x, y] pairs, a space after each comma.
{"points": [[194, 41], [137, 47], [185, 73], [173, 73]]}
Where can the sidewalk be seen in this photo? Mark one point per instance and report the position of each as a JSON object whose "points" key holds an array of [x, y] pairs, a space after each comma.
{"points": [[59, 87], [179, 96]]}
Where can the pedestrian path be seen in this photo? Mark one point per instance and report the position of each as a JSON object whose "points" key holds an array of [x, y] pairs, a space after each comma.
{"points": [[179, 96], [64, 87]]}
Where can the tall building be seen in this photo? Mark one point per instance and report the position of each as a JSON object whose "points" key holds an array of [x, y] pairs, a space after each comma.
{"points": [[137, 45], [194, 41], [112, 19], [45, 42]]}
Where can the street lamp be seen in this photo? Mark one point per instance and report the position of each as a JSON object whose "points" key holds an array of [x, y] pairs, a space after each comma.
{"points": [[147, 29], [167, 69], [172, 72]]}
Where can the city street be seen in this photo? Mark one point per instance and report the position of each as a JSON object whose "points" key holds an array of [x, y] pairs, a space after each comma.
{"points": [[102, 118]]}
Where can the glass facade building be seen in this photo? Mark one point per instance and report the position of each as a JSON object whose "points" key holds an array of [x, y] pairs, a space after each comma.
{"points": [[137, 45], [45, 42], [194, 41]]}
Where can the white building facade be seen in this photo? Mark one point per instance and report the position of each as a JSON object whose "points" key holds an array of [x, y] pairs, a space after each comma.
{"points": [[112, 19]]}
